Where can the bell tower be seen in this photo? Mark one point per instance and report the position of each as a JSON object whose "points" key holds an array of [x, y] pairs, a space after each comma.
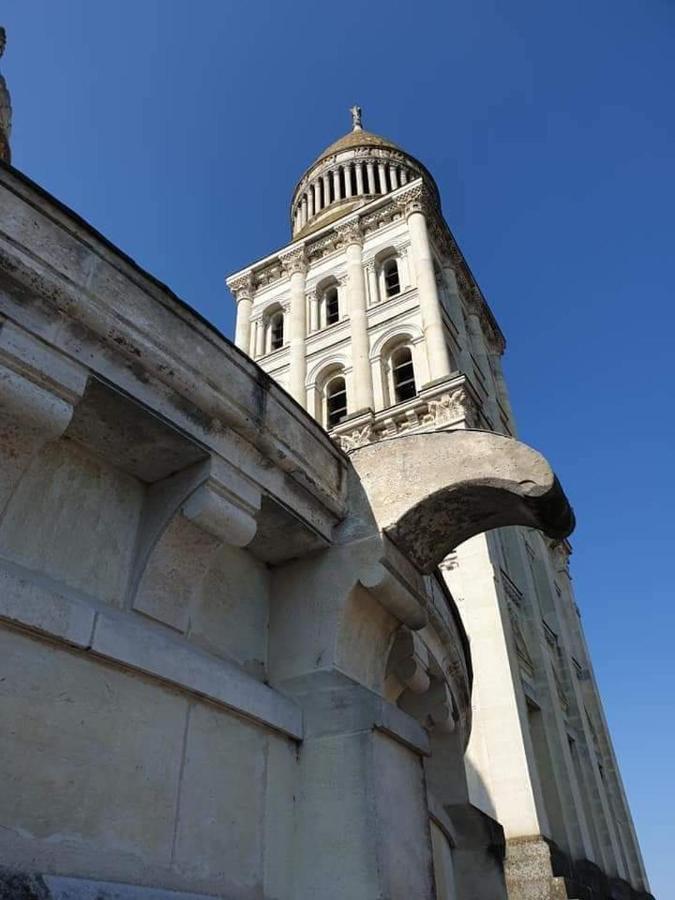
{"points": [[372, 320], [5, 109]]}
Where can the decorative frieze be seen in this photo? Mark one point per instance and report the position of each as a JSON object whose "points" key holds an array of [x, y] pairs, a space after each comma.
{"points": [[450, 408], [454, 407]]}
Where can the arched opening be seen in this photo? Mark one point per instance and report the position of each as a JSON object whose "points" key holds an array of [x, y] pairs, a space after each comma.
{"points": [[331, 306], [276, 331], [403, 375], [392, 280], [336, 401]]}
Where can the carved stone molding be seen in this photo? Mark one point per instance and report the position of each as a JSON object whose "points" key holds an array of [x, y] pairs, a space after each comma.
{"points": [[450, 408], [356, 438]]}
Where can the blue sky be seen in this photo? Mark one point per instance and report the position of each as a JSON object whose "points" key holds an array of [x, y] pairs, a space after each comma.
{"points": [[178, 129]]}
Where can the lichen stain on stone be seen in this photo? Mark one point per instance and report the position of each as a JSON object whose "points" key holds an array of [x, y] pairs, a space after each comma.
{"points": [[122, 342]]}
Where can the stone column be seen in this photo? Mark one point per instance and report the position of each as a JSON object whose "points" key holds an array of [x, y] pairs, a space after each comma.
{"points": [[336, 184], [295, 265], [370, 174], [383, 178], [372, 283], [393, 175], [475, 329], [310, 201], [356, 304], [457, 315], [347, 172], [242, 291], [326, 189], [416, 204], [359, 178], [313, 312], [260, 339], [404, 176]]}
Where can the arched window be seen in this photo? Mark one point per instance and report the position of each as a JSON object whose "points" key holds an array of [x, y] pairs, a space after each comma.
{"points": [[331, 306], [276, 330], [336, 401], [392, 281], [403, 374]]}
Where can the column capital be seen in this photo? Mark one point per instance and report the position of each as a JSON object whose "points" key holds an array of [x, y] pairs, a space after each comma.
{"points": [[417, 198], [350, 233], [242, 287], [293, 261]]}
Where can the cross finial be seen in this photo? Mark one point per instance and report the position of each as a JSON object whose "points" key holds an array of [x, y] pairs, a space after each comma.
{"points": [[356, 118]]}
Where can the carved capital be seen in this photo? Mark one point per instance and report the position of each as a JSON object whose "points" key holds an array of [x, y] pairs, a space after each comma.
{"points": [[356, 438], [350, 233], [242, 287], [449, 408], [417, 198], [294, 261]]}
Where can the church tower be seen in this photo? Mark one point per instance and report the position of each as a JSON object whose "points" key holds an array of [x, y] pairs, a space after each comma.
{"points": [[374, 323], [5, 109]]}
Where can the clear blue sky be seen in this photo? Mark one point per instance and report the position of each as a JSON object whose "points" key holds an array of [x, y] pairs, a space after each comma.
{"points": [[179, 129]]}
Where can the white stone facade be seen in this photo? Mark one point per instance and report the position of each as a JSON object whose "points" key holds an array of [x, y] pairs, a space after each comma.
{"points": [[539, 759]]}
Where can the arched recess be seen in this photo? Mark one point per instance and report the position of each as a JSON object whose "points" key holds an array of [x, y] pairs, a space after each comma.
{"points": [[386, 351], [430, 492], [323, 386], [274, 325], [329, 305], [389, 273]]}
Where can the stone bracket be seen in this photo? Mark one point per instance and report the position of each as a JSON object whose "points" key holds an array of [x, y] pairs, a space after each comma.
{"points": [[211, 495]]}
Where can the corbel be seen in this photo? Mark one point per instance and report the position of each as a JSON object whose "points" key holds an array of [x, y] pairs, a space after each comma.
{"points": [[39, 389], [209, 494]]}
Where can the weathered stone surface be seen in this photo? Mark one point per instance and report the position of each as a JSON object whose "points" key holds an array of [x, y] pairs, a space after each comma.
{"points": [[430, 492]]}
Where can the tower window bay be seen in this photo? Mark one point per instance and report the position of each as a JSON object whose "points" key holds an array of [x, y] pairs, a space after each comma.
{"points": [[392, 282], [403, 375], [336, 402]]}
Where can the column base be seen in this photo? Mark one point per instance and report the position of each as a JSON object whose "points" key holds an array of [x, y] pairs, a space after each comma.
{"points": [[537, 869]]}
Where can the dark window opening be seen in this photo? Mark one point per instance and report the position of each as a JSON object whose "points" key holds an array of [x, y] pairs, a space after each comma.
{"points": [[336, 402], [332, 306], [392, 283], [403, 375], [341, 182], [277, 331]]}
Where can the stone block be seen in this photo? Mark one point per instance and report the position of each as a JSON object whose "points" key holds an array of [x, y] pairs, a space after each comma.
{"points": [[219, 833], [89, 759], [174, 660], [26, 603]]}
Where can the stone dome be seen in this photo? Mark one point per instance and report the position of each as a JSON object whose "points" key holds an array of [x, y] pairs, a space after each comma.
{"points": [[352, 171], [358, 137]]}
